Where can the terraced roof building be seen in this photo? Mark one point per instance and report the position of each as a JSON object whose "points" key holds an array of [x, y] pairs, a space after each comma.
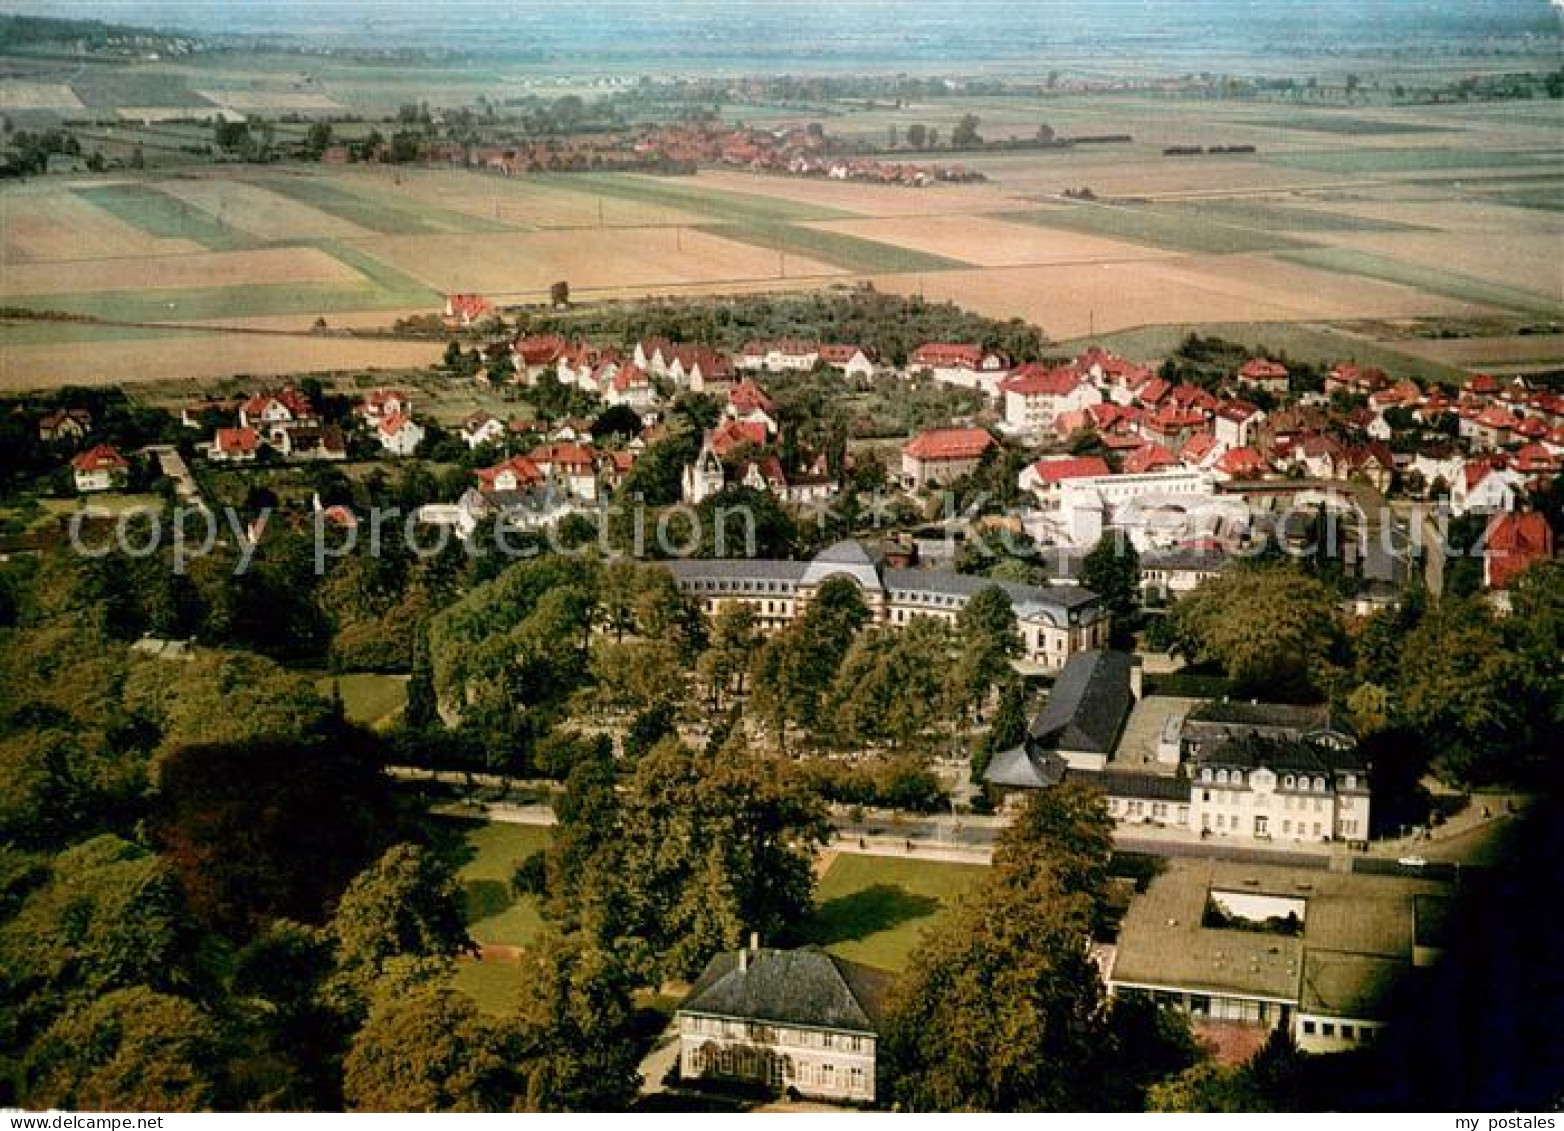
{"points": [[1056, 621]]}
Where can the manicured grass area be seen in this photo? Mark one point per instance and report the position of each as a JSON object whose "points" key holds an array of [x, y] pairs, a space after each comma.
{"points": [[347, 198], [370, 698], [1277, 217], [836, 248], [164, 216], [1409, 160], [876, 909], [1431, 279], [686, 195], [496, 985], [495, 914], [1190, 232]]}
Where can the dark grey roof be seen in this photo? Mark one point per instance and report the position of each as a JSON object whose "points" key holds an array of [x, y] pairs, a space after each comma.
{"points": [[792, 987], [735, 569], [965, 585], [1128, 783], [1279, 716], [1287, 755], [1089, 703], [1020, 768]]}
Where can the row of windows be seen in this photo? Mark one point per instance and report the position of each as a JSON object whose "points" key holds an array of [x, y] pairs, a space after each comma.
{"points": [[1289, 781], [770, 1034], [1347, 1032]]}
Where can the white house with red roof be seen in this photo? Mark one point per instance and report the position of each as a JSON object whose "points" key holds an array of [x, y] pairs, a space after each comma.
{"points": [[1047, 476], [235, 445], [632, 387], [1355, 380], [515, 474], [749, 404], [706, 476], [1516, 541], [399, 435], [99, 468], [1490, 428], [1240, 463], [534, 353], [943, 455], [572, 465], [379, 404], [967, 366], [1263, 374], [465, 309], [849, 360], [1201, 451], [1236, 421], [482, 428], [1149, 457], [1036, 395], [787, 355], [702, 369], [269, 413], [1486, 485]]}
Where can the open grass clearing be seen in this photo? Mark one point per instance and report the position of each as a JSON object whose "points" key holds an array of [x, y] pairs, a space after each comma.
{"points": [[495, 913], [876, 909], [371, 699]]}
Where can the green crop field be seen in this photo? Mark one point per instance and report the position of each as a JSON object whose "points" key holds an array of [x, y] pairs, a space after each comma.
{"points": [[876, 909], [1347, 126], [718, 204], [202, 304], [395, 286], [1174, 231], [837, 248], [1367, 161], [349, 199], [1277, 217], [1434, 280], [164, 216]]}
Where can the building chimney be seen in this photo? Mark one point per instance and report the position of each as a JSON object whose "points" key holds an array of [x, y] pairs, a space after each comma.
{"points": [[754, 942]]}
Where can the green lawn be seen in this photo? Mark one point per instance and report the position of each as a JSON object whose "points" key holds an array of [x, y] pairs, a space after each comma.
{"points": [[1433, 280], [369, 698], [495, 985], [164, 216], [686, 195], [1176, 231], [350, 198], [853, 253], [875, 909], [495, 914]]}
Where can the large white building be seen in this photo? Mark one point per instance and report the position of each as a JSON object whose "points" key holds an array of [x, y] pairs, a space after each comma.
{"points": [[1035, 396], [1056, 621], [801, 1021], [1154, 508]]}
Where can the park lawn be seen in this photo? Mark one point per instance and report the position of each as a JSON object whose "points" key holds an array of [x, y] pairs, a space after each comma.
{"points": [[1432, 280], [854, 253], [372, 699], [718, 204], [164, 216], [495, 914], [495, 984], [876, 909], [1186, 232], [347, 199]]}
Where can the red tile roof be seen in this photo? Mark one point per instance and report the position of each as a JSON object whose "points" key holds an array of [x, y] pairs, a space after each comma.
{"points": [[237, 440], [949, 444], [1516, 541], [523, 468], [1148, 457], [1034, 379], [1077, 467], [103, 457], [730, 434]]}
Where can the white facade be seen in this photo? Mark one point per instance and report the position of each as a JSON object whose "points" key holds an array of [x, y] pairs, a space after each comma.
{"points": [[1036, 411], [824, 1063]]}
